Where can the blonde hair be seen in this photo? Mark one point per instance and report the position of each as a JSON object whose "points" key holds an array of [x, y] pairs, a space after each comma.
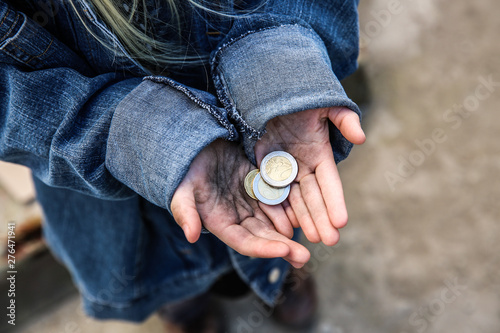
{"points": [[141, 46]]}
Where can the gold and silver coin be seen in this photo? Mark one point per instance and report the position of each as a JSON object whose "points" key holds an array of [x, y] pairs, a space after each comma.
{"points": [[268, 194], [279, 168], [249, 183]]}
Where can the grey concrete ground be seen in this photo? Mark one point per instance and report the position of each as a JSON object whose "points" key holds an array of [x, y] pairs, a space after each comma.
{"points": [[421, 252]]}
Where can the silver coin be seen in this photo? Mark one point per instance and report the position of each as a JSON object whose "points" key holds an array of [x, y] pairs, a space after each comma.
{"points": [[279, 168], [268, 194]]}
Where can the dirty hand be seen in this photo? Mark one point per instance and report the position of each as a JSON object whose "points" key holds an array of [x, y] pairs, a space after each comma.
{"points": [[316, 200], [212, 193]]}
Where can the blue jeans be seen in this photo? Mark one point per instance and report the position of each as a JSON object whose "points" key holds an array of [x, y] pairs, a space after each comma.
{"points": [[129, 257]]}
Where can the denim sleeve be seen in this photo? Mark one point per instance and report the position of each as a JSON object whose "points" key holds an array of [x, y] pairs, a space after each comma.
{"points": [[288, 59], [107, 135], [157, 130]]}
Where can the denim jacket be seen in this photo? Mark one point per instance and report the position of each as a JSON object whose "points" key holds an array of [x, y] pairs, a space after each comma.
{"points": [[108, 141]]}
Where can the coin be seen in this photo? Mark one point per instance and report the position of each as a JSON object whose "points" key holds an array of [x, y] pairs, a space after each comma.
{"points": [[268, 194], [279, 168], [249, 182]]}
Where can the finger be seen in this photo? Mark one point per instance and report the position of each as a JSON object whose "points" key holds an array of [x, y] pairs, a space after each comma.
{"points": [[290, 214], [279, 219], [298, 253], [241, 239], [184, 211], [347, 121], [333, 194], [302, 214], [313, 198], [296, 264]]}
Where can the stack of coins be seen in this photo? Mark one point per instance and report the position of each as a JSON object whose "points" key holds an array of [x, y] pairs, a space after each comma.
{"points": [[271, 184]]}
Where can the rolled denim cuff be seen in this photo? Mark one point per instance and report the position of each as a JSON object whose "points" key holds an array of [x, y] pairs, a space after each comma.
{"points": [[277, 71], [156, 132]]}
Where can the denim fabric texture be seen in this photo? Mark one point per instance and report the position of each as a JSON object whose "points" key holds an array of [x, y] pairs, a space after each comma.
{"points": [[109, 141]]}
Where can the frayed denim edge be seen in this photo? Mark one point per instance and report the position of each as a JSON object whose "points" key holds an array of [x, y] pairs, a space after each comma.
{"points": [[221, 87], [233, 134]]}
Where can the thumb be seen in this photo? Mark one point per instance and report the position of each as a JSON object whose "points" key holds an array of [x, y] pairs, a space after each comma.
{"points": [[347, 121], [184, 210]]}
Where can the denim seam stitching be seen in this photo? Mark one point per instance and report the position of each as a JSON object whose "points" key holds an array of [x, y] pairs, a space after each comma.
{"points": [[11, 27], [17, 58], [10, 41], [23, 52], [33, 57], [6, 15], [221, 87], [45, 51], [224, 122]]}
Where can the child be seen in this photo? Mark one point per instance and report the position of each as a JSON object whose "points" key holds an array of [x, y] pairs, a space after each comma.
{"points": [[138, 117]]}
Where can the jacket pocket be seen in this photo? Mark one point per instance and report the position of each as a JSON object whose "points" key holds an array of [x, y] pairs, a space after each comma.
{"points": [[23, 42]]}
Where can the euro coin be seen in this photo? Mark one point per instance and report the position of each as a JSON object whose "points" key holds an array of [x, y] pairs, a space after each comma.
{"points": [[249, 183], [279, 168], [268, 194]]}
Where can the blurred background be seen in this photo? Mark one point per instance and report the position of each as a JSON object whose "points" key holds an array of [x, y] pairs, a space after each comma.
{"points": [[421, 252]]}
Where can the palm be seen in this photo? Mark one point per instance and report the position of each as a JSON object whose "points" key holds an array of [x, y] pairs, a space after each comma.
{"points": [[212, 193], [302, 134], [316, 198]]}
